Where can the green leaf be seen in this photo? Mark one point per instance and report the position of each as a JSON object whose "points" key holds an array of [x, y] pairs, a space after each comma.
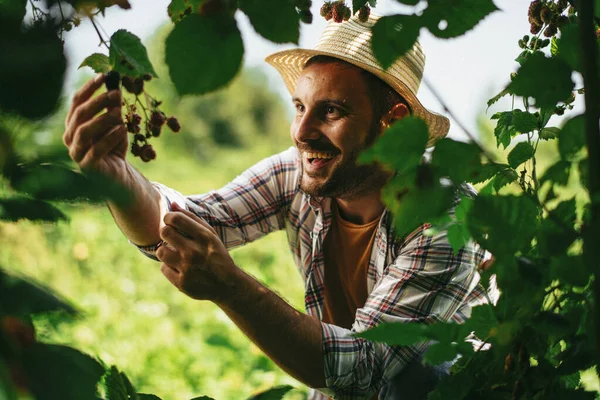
{"points": [[557, 173], [556, 231], [406, 334], [60, 372], [13, 10], [584, 172], [458, 236], [146, 396], [572, 137], [505, 128], [204, 53], [128, 55], [202, 398], [393, 36], [98, 62], [547, 80], [570, 270], [497, 97], [452, 18], [549, 133], [569, 46], [275, 393], [282, 29], [545, 115], [571, 381], [15, 208], [408, 137], [458, 160], [504, 177], [114, 385], [503, 224], [488, 171], [482, 320], [179, 9], [357, 4], [523, 56], [20, 296], [409, 2], [524, 121], [522, 152], [438, 353], [554, 46]]}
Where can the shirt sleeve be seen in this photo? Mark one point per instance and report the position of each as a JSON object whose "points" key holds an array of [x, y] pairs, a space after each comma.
{"points": [[251, 206], [426, 283]]}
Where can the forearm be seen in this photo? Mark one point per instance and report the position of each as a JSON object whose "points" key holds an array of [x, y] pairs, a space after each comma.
{"points": [[138, 218], [293, 340]]}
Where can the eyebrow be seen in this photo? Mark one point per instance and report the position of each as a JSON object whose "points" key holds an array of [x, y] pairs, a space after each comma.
{"points": [[338, 103]]}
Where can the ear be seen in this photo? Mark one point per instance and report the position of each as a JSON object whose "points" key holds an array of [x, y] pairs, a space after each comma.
{"points": [[396, 113]]}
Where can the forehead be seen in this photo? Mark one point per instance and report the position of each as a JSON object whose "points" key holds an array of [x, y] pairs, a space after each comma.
{"points": [[340, 81]]}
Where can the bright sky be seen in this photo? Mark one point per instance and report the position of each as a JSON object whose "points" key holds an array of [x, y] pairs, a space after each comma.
{"points": [[466, 71]]}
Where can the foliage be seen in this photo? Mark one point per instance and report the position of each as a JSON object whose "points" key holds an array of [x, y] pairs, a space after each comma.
{"points": [[543, 331]]}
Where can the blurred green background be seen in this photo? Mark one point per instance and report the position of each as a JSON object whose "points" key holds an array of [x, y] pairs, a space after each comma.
{"points": [[168, 344]]}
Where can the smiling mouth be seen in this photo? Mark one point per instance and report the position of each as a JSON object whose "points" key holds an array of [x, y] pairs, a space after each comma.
{"points": [[319, 158]]}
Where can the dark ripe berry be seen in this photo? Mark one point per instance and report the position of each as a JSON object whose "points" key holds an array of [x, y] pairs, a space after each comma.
{"points": [[147, 77], [363, 13], [173, 124], [139, 138], [545, 14], [111, 80], [337, 14], [562, 5], [147, 153], [136, 119], [347, 14], [559, 110], [325, 9], [154, 129], [306, 16], [133, 128], [136, 149], [551, 30], [534, 11], [134, 86], [535, 29], [157, 118]]}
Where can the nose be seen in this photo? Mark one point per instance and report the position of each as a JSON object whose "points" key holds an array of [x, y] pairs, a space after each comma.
{"points": [[305, 128]]}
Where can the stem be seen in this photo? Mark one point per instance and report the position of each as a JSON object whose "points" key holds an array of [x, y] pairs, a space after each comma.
{"points": [[592, 133], [102, 41]]}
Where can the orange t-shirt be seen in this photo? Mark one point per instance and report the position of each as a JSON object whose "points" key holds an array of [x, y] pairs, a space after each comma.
{"points": [[347, 250]]}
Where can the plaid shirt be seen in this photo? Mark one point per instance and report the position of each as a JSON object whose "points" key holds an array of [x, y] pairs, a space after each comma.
{"points": [[415, 278]]}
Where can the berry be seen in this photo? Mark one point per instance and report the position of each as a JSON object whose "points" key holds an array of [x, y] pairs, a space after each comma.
{"points": [[136, 149], [133, 128], [147, 77], [139, 138], [329, 15], [535, 29], [363, 13], [347, 14], [136, 119], [147, 153], [551, 30], [337, 13], [134, 86], [173, 124], [562, 5], [534, 11], [306, 16], [157, 118], [326, 9], [111, 80], [154, 129], [562, 21], [545, 14]]}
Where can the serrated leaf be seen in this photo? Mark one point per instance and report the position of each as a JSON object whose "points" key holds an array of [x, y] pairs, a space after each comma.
{"points": [[393, 36], [458, 160], [19, 207], [554, 46], [202, 398], [482, 320], [557, 173], [458, 236], [522, 152], [545, 115], [503, 224], [146, 396], [179, 9], [549, 133], [504, 177], [438, 353], [98, 62], [523, 56], [128, 55], [408, 136], [275, 393], [285, 28], [572, 137], [504, 129], [524, 121], [488, 171], [60, 372], [460, 16], [497, 97], [547, 80], [22, 296], [203, 53], [114, 385]]}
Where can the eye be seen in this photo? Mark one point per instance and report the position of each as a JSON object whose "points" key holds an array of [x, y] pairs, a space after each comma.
{"points": [[299, 107]]}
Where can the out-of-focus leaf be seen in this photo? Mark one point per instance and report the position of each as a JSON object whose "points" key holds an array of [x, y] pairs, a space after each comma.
{"points": [[547, 80], [26, 52], [275, 393], [584, 172], [458, 236], [21, 296], [556, 232], [503, 224], [407, 137], [488, 171], [393, 36], [570, 270], [572, 381], [452, 18], [13, 11], [522, 152], [458, 160], [572, 137], [179, 9], [146, 396], [505, 129], [557, 173], [118, 386], [98, 62], [128, 55], [60, 372], [497, 97], [504, 177], [549, 133], [413, 333], [555, 325], [19, 207], [569, 46], [524, 121], [285, 28], [203, 53], [454, 386], [438, 353]]}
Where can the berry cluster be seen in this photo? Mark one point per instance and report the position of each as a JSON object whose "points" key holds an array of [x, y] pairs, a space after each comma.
{"points": [[363, 13], [548, 15], [535, 43], [154, 117], [336, 10], [303, 8]]}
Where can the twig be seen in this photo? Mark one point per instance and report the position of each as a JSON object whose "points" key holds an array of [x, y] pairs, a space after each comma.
{"points": [[592, 132], [102, 41]]}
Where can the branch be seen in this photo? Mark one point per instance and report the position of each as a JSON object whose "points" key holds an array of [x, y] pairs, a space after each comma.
{"points": [[592, 132]]}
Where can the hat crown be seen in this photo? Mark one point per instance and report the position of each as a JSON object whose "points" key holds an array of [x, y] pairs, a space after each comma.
{"points": [[352, 40]]}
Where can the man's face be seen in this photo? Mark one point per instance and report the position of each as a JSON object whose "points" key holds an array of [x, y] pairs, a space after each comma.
{"points": [[333, 123]]}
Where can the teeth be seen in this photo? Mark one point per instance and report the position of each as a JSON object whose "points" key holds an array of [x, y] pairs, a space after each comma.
{"points": [[319, 155]]}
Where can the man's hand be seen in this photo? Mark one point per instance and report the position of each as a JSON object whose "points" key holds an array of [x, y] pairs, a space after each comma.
{"points": [[97, 142], [195, 259]]}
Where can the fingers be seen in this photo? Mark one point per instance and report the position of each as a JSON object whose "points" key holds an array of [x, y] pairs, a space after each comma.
{"points": [[84, 93], [175, 239], [168, 256], [178, 209], [171, 274], [111, 141], [87, 110], [91, 132]]}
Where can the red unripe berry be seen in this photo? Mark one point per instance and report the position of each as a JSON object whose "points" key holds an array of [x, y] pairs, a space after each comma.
{"points": [[136, 119], [325, 9], [157, 118], [136, 149], [173, 124], [154, 129], [134, 86], [147, 153]]}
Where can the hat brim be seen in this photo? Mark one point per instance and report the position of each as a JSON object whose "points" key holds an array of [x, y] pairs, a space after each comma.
{"points": [[289, 64]]}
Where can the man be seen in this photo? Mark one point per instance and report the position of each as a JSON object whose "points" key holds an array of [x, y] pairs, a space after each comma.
{"points": [[357, 273]]}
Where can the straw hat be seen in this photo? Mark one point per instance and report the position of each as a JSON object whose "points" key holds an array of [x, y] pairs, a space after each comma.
{"points": [[351, 41]]}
